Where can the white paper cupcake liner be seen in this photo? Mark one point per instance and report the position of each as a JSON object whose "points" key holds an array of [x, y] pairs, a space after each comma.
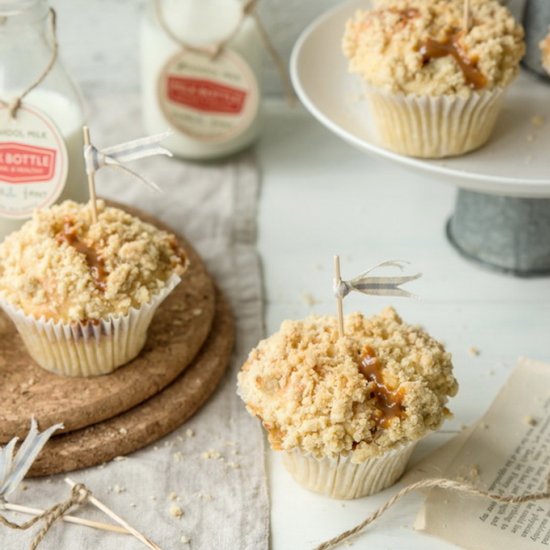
{"points": [[87, 348], [340, 478], [434, 127]]}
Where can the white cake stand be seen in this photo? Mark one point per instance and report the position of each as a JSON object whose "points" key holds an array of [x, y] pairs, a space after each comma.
{"points": [[502, 213]]}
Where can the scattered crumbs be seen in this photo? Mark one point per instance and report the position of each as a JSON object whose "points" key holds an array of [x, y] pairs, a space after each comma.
{"points": [[153, 497], [24, 486], [167, 443], [122, 431], [133, 504], [236, 452], [101, 466], [179, 438], [530, 421], [189, 432], [230, 443], [176, 511], [155, 448], [204, 496], [49, 480], [197, 311], [309, 299], [474, 472], [349, 543], [119, 489], [484, 425], [473, 351], [530, 138], [185, 540], [537, 121], [119, 458], [172, 496], [212, 454], [234, 465], [178, 456]]}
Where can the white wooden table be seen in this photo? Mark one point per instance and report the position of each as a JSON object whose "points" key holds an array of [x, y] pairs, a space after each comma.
{"points": [[321, 197]]}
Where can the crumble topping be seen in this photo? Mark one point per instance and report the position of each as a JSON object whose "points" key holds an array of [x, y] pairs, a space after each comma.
{"points": [[420, 46], [545, 52], [62, 266], [384, 384]]}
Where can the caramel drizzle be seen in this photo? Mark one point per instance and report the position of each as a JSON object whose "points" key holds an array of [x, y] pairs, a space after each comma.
{"points": [[432, 49], [95, 263], [388, 403]]}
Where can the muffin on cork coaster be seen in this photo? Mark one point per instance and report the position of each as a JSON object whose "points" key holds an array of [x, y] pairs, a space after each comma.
{"points": [[434, 79], [83, 294]]}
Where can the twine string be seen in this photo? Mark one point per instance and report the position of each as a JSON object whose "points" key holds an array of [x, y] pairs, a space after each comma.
{"points": [[436, 483], [15, 103], [79, 495], [215, 49]]}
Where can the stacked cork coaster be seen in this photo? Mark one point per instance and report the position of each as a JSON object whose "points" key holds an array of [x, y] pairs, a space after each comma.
{"points": [[187, 351]]}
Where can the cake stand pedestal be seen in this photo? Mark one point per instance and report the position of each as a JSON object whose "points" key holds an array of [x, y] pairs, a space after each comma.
{"points": [[502, 214], [508, 234]]}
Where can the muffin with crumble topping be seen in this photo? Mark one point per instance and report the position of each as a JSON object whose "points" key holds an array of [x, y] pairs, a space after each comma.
{"points": [[435, 88], [347, 412], [83, 294]]}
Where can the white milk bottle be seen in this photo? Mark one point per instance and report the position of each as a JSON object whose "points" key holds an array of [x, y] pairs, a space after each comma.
{"points": [[41, 117], [210, 98]]}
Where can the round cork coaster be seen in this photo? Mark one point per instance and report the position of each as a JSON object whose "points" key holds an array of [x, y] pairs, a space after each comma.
{"points": [[178, 331], [151, 420]]}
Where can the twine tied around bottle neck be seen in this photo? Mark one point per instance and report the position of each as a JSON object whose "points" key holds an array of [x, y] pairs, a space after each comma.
{"points": [[214, 50], [79, 495], [14, 105]]}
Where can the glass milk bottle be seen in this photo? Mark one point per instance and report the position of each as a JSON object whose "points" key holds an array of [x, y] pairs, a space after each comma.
{"points": [[41, 140], [211, 102]]}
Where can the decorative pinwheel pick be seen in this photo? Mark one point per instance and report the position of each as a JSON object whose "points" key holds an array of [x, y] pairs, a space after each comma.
{"points": [[14, 468], [367, 284], [116, 155]]}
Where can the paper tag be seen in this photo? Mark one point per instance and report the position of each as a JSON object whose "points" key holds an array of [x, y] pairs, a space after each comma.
{"points": [[211, 100], [33, 162], [508, 452]]}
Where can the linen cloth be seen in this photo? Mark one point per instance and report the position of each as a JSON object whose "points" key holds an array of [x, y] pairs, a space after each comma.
{"points": [[223, 498]]}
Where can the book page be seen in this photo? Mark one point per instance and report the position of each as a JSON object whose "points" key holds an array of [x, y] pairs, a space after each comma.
{"points": [[508, 453]]}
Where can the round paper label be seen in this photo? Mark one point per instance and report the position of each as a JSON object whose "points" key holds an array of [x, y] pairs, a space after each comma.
{"points": [[210, 100], [33, 162]]}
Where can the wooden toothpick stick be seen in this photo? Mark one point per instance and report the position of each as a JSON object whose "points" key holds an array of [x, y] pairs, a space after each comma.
{"points": [[142, 538], [339, 299], [91, 179], [68, 519], [467, 16]]}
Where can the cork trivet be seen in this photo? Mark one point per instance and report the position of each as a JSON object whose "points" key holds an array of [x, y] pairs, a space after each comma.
{"points": [[152, 419], [177, 332]]}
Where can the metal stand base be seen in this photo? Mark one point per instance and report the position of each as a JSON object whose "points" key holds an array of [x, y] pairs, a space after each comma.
{"points": [[503, 233]]}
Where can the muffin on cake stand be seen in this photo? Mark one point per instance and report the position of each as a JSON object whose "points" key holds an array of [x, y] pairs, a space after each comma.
{"points": [[502, 212]]}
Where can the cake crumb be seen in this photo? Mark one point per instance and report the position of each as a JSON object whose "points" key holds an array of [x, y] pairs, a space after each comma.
{"points": [[309, 299], [473, 351], [234, 465], [178, 456], [176, 511], [537, 121], [190, 433], [119, 458], [212, 454], [204, 496], [173, 496], [196, 312], [122, 431], [119, 489], [185, 540], [531, 421]]}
